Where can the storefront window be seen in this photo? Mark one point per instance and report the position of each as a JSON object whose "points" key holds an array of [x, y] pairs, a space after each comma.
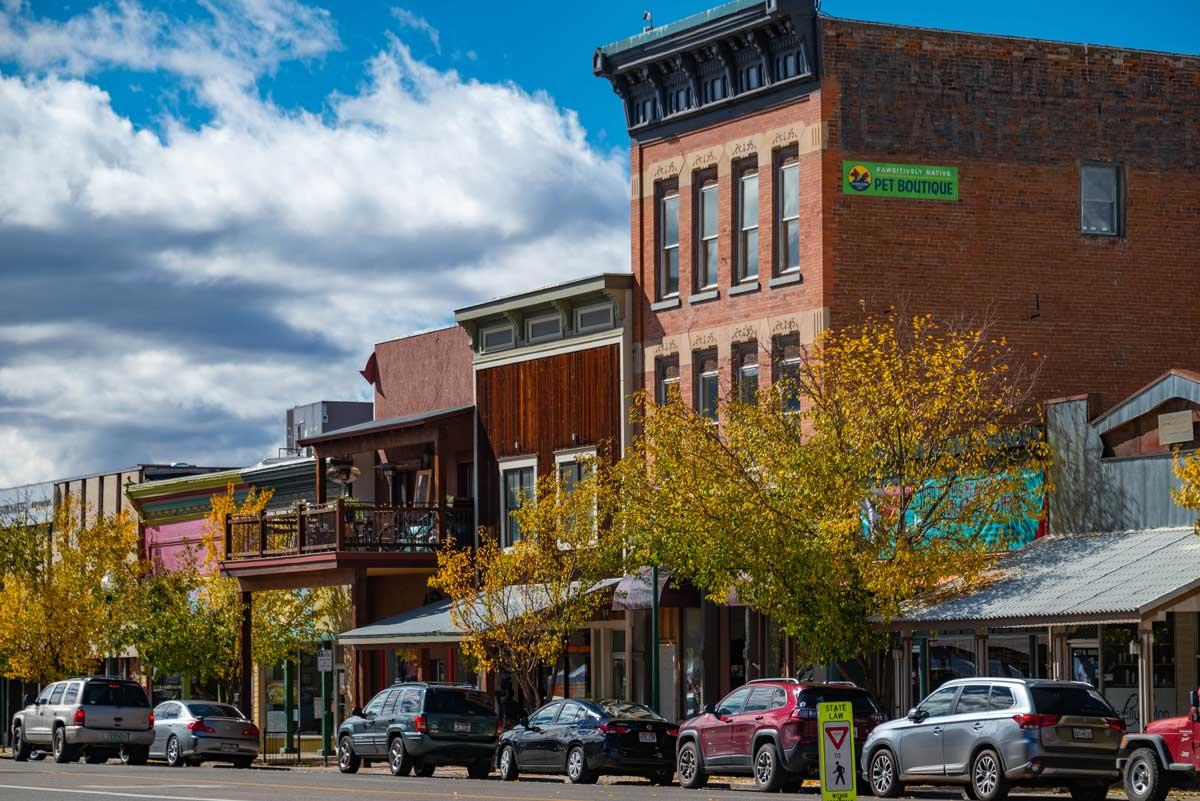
{"points": [[1121, 672], [737, 646], [950, 658], [620, 671], [1009, 657]]}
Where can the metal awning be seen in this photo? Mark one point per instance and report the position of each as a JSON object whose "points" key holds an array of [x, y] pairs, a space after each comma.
{"points": [[432, 623], [633, 592], [1122, 576]]}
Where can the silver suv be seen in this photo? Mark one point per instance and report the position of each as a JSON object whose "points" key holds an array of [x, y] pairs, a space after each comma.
{"points": [[989, 734], [95, 717]]}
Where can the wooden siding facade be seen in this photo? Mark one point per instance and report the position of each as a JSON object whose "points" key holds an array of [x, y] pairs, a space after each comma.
{"points": [[542, 406]]}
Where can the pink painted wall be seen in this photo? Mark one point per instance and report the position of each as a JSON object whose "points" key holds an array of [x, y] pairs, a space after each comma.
{"points": [[167, 544]]}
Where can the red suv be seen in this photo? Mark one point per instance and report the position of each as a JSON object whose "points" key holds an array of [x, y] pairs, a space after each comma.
{"points": [[767, 729]]}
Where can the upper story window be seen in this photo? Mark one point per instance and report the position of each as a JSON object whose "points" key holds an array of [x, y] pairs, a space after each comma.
{"points": [[746, 374], [668, 380], [680, 99], [787, 361], [593, 318], [1100, 199], [668, 243], [747, 219], [708, 391], [516, 485], [707, 250], [543, 327], [787, 183], [714, 89], [789, 65], [497, 337], [751, 77]]}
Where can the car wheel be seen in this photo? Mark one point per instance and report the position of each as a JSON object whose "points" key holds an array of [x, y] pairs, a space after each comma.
{"points": [[173, 758], [987, 776], [688, 766], [507, 764], [134, 755], [1088, 791], [399, 762], [62, 752], [480, 770], [348, 761], [577, 769], [96, 758], [1144, 779], [424, 770], [885, 776], [768, 774], [20, 747]]}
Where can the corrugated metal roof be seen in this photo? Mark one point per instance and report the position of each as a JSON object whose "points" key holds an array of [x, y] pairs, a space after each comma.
{"points": [[432, 623], [1118, 575]]}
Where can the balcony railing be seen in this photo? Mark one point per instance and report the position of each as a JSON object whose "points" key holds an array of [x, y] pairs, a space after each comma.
{"points": [[346, 525]]}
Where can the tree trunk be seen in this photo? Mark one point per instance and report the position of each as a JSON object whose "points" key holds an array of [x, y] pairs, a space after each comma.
{"points": [[185, 685]]}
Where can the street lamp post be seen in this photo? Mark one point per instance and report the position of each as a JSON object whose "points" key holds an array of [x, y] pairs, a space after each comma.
{"points": [[107, 584], [654, 689]]}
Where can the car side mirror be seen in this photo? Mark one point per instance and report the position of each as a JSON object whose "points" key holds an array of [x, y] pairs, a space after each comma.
{"points": [[523, 723], [1194, 698], [915, 715], [29, 700], [356, 712], [710, 709]]}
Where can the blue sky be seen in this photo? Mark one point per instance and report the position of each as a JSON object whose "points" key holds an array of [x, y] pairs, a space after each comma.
{"points": [[211, 209]]}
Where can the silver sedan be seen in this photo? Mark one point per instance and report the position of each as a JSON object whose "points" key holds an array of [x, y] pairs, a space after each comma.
{"points": [[190, 732]]}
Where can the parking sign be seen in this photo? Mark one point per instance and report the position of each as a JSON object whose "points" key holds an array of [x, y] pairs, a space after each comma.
{"points": [[836, 754], [325, 660]]}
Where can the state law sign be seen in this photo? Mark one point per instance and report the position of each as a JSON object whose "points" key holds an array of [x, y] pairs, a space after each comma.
{"points": [[835, 721]]}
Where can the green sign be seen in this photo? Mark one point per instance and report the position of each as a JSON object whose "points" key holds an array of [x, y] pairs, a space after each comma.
{"points": [[918, 181], [835, 754]]}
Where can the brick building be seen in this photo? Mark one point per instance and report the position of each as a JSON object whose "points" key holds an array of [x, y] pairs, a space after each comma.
{"points": [[1063, 218]]}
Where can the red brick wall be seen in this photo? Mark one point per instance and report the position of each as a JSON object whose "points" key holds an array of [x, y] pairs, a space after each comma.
{"points": [[715, 323], [423, 372], [1017, 117]]}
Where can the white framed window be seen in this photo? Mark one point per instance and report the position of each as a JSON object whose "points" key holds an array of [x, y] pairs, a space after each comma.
{"points": [[518, 481], [706, 231], [496, 337], [747, 383], [668, 242], [788, 178], [544, 327], [574, 466], [1100, 199], [593, 318], [747, 255], [708, 392], [668, 382]]}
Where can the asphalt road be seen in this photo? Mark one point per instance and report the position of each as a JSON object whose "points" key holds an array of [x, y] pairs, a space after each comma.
{"points": [[46, 781]]}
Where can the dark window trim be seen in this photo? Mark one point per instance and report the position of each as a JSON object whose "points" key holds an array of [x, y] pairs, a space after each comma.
{"points": [[780, 158], [663, 190]]}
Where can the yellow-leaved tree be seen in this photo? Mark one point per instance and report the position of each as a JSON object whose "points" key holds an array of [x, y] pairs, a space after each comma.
{"points": [[190, 616], [517, 606], [57, 617], [1187, 470], [887, 463]]}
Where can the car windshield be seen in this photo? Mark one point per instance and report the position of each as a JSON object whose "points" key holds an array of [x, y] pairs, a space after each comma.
{"points": [[1069, 700], [442, 701], [860, 700], [624, 709], [213, 711], [113, 694]]}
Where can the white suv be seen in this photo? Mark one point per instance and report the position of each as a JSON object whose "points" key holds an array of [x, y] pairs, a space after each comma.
{"points": [[95, 717]]}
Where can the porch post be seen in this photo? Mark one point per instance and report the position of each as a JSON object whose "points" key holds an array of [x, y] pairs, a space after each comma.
{"points": [[320, 487], [982, 666], [359, 616], [904, 666], [246, 677], [1060, 654], [1145, 673]]}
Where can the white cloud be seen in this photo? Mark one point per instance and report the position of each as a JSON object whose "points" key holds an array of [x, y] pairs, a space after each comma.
{"points": [[170, 296], [407, 19]]}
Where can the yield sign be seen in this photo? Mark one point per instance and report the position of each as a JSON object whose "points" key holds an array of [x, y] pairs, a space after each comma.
{"points": [[837, 735]]}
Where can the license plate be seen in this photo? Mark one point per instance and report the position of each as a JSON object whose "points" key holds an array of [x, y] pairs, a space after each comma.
{"points": [[118, 737], [1083, 734], [229, 748], [647, 737], [462, 727]]}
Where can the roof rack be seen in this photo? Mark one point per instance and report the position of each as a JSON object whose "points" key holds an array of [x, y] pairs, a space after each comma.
{"points": [[787, 679], [459, 684], [842, 684]]}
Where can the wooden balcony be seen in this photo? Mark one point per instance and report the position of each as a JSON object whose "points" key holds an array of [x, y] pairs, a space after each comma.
{"points": [[340, 535]]}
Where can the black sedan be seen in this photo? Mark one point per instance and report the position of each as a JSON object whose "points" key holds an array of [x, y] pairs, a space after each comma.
{"points": [[585, 739]]}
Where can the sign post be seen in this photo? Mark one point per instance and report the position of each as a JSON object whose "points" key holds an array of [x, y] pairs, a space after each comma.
{"points": [[325, 668], [839, 769]]}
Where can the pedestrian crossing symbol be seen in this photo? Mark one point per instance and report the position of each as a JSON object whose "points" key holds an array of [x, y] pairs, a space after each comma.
{"points": [[836, 754]]}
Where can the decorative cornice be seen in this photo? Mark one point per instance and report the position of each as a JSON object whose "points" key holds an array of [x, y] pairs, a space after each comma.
{"points": [[714, 65]]}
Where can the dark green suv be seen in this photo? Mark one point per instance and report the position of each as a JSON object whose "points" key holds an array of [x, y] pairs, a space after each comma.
{"points": [[417, 726]]}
